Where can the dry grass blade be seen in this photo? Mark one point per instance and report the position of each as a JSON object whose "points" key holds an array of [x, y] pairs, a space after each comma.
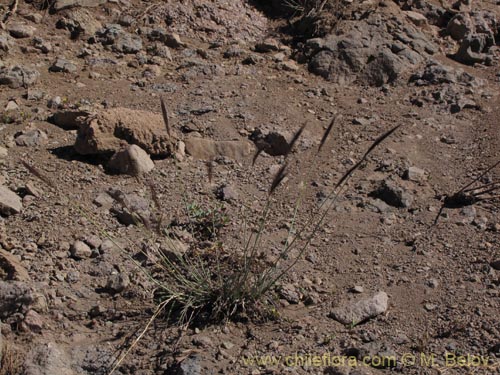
{"points": [[278, 178], [368, 152], [165, 115], [37, 173], [327, 133], [10, 361], [480, 176], [295, 139]]}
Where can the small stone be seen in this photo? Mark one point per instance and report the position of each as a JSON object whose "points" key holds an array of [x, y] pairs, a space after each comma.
{"points": [[21, 30], [227, 193], [393, 194], [357, 289], [495, 265], [10, 202], [133, 161], [418, 19], [289, 66], [11, 106], [289, 293], [63, 65], [31, 138], [12, 268], [173, 40], [80, 250], [415, 174], [104, 200], [361, 310], [202, 341], [227, 345], [430, 307], [93, 241], [117, 283], [268, 45], [32, 322]]}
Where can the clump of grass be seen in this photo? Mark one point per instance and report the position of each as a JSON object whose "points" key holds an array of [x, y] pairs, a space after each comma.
{"points": [[200, 285]]}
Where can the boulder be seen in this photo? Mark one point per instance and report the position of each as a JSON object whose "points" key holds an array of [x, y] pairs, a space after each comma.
{"points": [[113, 129]]}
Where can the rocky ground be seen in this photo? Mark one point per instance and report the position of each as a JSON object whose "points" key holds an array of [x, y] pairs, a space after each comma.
{"points": [[85, 151]]}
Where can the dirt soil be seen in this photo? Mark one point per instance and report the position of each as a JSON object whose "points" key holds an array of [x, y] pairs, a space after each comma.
{"points": [[85, 300]]}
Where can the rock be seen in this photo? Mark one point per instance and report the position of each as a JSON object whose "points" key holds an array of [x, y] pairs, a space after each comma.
{"points": [[268, 45], [474, 49], [289, 66], [227, 193], [79, 22], [363, 51], [93, 241], [202, 341], [104, 200], [65, 4], [6, 42], [415, 174], [10, 202], [392, 194], [189, 366], [416, 18], [15, 296], [128, 43], [117, 283], [11, 267], [11, 106], [32, 322], [174, 249], [68, 120], [47, 359], [31, 138], [80, 250], [18, 76], [133, 161], [362, 310], [459, 26], [173, 40], [274, 143], [289, 293], [131, 209], [112, 129], [21, 30], [207, 149], [63, 65], [495, 264]]}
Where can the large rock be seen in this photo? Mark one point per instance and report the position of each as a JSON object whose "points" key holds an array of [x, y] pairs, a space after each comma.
{"points": [[111, 130], [362, 310], [10, 202], [393, 194], [79, 22], [133, 161], [18, 76], [21, 30], [207, 149], [15, 296], [372, 51]]}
